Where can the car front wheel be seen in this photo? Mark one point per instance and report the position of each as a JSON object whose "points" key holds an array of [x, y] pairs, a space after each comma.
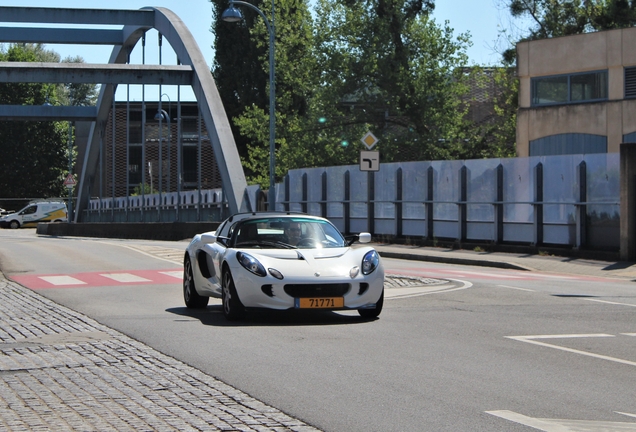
{"points": [[233, 309], [192, 299], [373, 312], [14, 224]]}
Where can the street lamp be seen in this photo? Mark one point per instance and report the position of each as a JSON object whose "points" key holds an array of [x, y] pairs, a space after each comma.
{"points": [[232, 14], [161, 115]]}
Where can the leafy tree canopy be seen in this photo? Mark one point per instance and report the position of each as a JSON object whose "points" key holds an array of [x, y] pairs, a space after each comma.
{"points": [[383, 66], [34, 154]]}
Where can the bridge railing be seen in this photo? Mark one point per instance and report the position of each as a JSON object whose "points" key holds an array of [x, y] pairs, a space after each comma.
{"points": [[185, 206]]}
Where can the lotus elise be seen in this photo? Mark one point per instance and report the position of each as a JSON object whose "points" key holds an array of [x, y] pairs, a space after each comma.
{"points": [[282, 261]]}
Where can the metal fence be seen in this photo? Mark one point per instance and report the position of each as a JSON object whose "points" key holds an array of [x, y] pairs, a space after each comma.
{"points": [[567, 201], [570, 200], [185, 206]]}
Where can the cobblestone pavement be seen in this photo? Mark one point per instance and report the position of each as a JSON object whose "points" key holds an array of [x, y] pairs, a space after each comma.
{"points": [[62, 371]]}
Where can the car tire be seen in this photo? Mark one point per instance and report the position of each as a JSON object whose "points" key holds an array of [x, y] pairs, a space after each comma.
{"points": [[14, 224], [233, 309], [192, 299], [373, 312]]}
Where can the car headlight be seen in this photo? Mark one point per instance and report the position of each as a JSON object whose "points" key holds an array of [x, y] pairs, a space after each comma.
{"points": [[370, 262], [251, 264]]}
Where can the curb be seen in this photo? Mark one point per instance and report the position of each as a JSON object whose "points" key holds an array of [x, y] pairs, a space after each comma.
{"points": [[454, 260]]}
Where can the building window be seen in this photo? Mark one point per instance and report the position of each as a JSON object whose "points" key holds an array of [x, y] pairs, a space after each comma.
{"points": [[571, 88], [134, 166], [190, 129], [190, 165], [134, 129], [630, 82], [568, 143]]}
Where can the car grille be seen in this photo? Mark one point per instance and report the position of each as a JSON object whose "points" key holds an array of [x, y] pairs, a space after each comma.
{"points": [[317, 290]]}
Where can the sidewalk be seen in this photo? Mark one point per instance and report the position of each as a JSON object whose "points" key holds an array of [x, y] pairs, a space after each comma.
{"points": [[62, 371], [524, 262]]}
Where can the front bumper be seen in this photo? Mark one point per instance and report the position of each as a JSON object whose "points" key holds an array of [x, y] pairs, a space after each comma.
{"points": [[271, 293]]}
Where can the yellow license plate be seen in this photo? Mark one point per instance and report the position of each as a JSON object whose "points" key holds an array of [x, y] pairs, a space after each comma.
{"points": [[320, 303]]}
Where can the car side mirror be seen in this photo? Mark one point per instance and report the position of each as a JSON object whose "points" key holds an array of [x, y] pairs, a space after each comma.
{"points": [[364, 237], [208, 238]]}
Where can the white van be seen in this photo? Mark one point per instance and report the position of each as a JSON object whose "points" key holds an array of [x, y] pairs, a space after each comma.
{"points": [[40, 211]]}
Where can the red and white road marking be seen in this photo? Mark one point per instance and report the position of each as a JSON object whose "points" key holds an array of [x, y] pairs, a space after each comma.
{"points": [[96, 279]]}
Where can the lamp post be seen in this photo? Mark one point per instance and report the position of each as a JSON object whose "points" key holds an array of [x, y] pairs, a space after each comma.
{"points": [[70, 168], [232, 14], [161, 115]]}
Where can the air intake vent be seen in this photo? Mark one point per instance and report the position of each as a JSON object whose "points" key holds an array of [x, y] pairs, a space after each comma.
{"points": [[630, 82]]}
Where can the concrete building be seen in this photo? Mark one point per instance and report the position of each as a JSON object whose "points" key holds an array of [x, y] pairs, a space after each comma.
{"points": [[131, 152], [577, 93]]}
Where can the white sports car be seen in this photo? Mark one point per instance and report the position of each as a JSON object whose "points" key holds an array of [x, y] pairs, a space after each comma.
{"points": [[282, 261]]}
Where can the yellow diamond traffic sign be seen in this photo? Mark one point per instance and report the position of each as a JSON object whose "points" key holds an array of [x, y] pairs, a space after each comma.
{"points": [[369, 140]]}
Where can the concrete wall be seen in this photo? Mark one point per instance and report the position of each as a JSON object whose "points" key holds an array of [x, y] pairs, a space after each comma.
{"points": [[169, 231]]}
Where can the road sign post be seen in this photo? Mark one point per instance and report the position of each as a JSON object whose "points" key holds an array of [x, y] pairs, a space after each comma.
{"points": [[369, 160]]}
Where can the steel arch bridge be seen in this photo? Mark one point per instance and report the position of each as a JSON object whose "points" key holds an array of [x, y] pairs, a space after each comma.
{"points": [[192, 71]]}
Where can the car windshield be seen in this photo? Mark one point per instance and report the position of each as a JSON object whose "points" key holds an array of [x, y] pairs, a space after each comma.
{"points": [[287, 232]]}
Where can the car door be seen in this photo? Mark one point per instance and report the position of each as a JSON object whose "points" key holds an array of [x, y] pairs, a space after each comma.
{"points": [[29, 214], [217, 252]]}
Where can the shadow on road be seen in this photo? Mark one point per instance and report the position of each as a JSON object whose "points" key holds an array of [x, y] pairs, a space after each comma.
{"points": [[213, 315]]}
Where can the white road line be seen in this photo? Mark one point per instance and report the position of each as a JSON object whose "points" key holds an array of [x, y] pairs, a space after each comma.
{"points": [[563, 425], [565, 336], [628, 334], [400, 293], [609, 302], [516, 288], [62, 280], [531, 340], [180, 262], [178, 274], [625, 414], [527, 421], [124, 277]]}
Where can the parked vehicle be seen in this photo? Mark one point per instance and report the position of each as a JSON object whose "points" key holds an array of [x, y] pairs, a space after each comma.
{"points": [[282, 261], [35, 212]]}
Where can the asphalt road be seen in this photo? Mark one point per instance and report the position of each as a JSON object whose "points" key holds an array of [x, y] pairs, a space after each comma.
{"points": [[496, 350]]}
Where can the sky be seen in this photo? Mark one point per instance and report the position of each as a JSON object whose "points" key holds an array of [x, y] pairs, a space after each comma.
{"points": [[484, 19]]}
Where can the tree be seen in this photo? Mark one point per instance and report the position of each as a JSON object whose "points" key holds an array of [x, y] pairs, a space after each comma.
{"points": [[79, 94], [494, 134], [389, 67], [241, 72], [34, 158], [379, 65], [238, 71]]}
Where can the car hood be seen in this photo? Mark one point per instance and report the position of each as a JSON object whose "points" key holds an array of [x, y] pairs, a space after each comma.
{"points": [[332, 262], [298, 254]]}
